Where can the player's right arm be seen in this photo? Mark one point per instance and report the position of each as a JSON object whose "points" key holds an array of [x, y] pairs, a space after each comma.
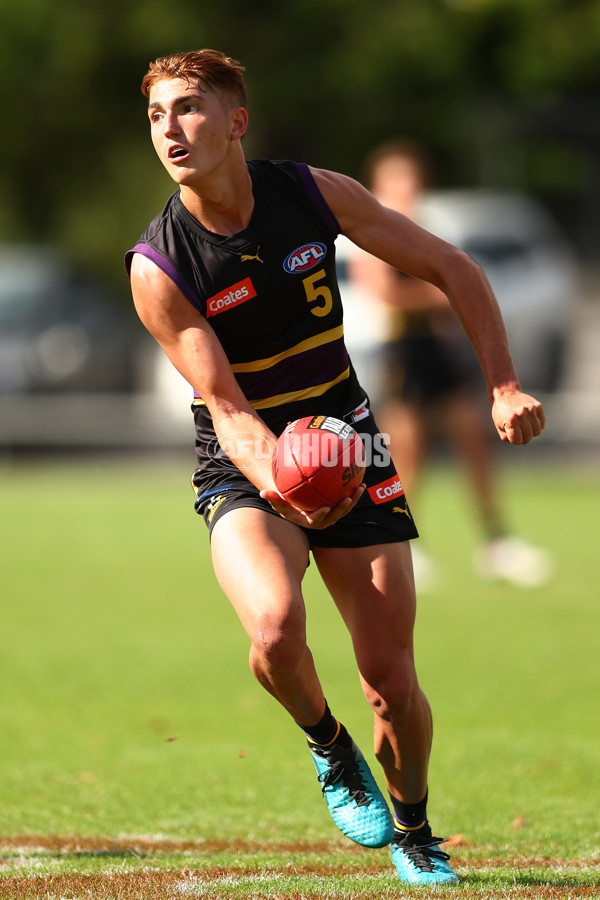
{"points": [[196, 352], [400, 242]]}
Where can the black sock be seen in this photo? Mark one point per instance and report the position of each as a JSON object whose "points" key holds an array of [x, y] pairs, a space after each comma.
{"points": [[409, 816], [327, 731]]}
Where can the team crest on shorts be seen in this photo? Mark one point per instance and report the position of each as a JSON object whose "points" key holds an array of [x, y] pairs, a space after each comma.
{"points": [[214, 505]]}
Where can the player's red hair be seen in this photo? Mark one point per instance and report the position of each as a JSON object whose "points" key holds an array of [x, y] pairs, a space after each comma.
{"points": [[218, 72]]}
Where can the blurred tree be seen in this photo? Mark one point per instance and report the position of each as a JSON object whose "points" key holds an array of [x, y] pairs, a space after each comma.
{"points": [[504, 92]]}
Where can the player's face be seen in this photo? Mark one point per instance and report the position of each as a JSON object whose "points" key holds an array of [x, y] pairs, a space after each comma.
{"points": [[192, 129]]}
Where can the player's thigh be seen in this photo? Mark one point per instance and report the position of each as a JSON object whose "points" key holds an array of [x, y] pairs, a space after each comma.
{"points": [[259, 560], [373, 588]]}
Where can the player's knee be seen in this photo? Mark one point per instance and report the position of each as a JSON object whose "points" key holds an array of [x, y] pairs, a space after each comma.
{"points": [[279, 645]]}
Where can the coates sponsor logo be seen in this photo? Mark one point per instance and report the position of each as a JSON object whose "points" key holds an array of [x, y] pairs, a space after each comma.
{"points": [[386, 490], [304, 258], [230, 297]]}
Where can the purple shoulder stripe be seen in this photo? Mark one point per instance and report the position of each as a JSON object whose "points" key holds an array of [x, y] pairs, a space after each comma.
{"points": [[166, 266], [318, 199]]}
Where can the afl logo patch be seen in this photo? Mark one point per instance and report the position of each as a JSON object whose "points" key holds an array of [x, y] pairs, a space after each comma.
{"points": [[304, 258]]}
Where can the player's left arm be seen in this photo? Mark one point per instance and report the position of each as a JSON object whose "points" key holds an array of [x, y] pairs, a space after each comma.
{"points": [[402, 243]]}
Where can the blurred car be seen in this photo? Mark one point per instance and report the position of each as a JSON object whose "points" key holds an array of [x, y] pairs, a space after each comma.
{"points": [[59, 332], [527, 259]]}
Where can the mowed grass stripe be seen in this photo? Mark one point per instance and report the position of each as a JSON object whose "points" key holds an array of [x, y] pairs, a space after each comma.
{"points": [[150, 868], [185, 884], [143, 847]]}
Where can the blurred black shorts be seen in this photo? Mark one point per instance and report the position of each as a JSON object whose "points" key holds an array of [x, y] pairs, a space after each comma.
{"points": [[423, 370]]}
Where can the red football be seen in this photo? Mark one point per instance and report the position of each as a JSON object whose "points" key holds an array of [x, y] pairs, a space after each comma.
{"points": [[317, 462]]}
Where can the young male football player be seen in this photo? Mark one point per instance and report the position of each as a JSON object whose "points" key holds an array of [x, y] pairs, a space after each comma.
{"points": [[235, 278]]}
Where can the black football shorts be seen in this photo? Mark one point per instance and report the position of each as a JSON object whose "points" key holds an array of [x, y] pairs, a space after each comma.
{"points": [[424, 370], [381, 516]]}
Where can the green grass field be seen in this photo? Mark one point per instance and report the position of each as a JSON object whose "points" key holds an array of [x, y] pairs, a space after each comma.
{"points": [[140, 759]]}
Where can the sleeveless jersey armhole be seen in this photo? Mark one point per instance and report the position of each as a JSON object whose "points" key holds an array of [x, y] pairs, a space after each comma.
{"points": [[318, 199], [166, 266]]}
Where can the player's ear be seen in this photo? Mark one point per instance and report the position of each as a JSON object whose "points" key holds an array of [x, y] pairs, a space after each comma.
{"points": [[239, 123]]}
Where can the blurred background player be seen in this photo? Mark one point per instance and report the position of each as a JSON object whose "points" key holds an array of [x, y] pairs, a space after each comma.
{"points": [[424, 376]]}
